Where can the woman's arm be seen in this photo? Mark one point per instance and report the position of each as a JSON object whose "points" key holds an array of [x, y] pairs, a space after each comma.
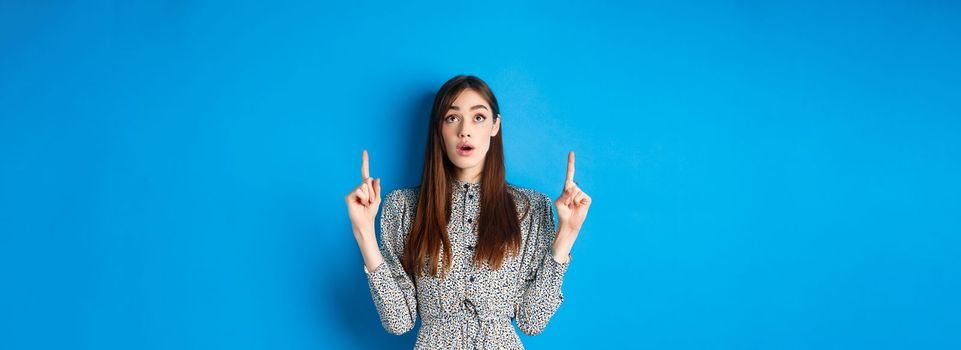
{"points": [[392, 290], [541, 289], [541, 292]]}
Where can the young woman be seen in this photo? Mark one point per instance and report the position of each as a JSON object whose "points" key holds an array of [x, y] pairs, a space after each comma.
{"points": [[465, 250]]}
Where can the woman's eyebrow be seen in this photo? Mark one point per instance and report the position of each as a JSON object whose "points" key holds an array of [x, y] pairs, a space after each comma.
{"points": [[472, 108]]}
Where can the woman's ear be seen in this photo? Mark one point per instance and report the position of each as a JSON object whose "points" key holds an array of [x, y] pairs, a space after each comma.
{"points": [[497, 125]]}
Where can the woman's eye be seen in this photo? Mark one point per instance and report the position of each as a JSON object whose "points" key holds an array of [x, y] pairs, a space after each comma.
{"points": [[451, 118], [480, 118]]}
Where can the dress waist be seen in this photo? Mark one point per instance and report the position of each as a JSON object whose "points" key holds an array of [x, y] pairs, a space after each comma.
{"points": [[464, 315], [466, 311]]}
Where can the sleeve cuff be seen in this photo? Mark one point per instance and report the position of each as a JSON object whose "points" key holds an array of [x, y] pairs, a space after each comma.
{"points": [[375, 269], [566, 261], [553, 266]]}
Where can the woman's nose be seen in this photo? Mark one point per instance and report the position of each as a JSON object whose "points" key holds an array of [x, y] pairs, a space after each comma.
{"points": [[463, 131]]}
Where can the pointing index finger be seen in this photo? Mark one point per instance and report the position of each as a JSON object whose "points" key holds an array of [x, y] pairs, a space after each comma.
{"points": [[570, 170], [364, 168]]}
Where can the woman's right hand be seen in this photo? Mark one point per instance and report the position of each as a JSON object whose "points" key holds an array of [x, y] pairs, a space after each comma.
{"points": [[363, 202]]}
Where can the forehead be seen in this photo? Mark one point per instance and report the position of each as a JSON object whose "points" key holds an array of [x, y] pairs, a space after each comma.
{"points": [[469, 98]]}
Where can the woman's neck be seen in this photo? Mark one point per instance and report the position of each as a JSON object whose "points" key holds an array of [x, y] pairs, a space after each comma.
{"points": [[469, 175]]}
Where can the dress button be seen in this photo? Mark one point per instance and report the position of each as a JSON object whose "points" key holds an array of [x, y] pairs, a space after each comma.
{"points": [[470, 247], [471, 279], [466, 186], [470, 220], [470, 196]]}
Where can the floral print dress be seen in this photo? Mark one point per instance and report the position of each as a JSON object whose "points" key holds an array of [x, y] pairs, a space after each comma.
{"points": [[472, 307]]}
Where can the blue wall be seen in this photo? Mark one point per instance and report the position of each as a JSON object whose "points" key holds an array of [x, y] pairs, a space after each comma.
{"points": [[765, 176]]}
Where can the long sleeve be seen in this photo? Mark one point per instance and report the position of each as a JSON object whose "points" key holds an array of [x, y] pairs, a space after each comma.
{"points": [[541, 290], [393, 291]]}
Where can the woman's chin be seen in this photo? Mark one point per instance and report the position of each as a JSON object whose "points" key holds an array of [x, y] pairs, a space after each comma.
{"points": [[466, 162]]}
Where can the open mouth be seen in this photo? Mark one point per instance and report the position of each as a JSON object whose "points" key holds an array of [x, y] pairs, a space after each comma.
{"points": [[465, 149]]}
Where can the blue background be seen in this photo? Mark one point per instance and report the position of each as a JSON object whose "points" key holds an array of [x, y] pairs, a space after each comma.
{"points": [[765, 176]]}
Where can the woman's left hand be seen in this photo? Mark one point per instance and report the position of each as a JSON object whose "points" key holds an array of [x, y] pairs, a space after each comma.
{"points": [[572, 208]]}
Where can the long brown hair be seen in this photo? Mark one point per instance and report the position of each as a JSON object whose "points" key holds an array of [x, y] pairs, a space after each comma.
{"points": [[499, 233]]}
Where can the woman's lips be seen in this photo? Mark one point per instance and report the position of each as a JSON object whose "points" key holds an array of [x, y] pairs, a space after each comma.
{"points": [[465, 148], [464, 152]]}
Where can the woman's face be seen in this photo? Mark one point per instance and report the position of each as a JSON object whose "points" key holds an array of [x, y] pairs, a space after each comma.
{"points": [[467, 129]]}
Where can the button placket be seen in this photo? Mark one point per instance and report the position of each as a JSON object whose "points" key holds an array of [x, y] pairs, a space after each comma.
{"points": [[468, 204], [464, 205]]}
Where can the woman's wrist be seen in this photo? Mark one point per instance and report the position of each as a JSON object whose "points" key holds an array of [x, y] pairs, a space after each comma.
{"points": [[367, 243], [560, 257], [561, 249], [370, 252], [364, 231]]}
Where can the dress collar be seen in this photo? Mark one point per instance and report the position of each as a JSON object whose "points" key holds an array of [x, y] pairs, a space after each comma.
{"points": [[464, 185]]}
